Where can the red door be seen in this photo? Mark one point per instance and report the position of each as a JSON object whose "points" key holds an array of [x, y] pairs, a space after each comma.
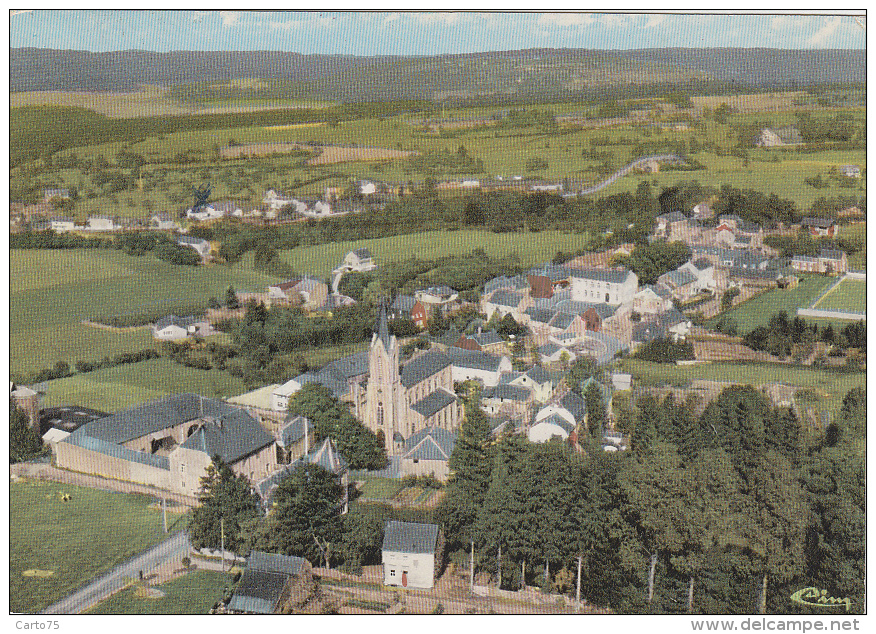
{"points": [[405, 578]]}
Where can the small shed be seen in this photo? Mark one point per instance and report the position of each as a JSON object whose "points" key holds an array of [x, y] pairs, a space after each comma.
{"points": [[267, 583], [411, 554]]}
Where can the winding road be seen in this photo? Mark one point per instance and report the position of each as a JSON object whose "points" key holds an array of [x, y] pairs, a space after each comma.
{"points": [[172, 548], [624, 171]]}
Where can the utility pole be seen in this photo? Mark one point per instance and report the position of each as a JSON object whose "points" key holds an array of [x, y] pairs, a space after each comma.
{"points": [[499, 566], [164, 513], [222, 529], [471, 568], [578, 590]]}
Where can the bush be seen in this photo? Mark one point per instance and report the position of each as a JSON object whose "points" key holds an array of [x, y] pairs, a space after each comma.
{"points": [[151, 315], [665, 350]]}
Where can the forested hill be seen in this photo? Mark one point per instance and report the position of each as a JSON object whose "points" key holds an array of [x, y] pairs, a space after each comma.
{"points": [[346, 78]]}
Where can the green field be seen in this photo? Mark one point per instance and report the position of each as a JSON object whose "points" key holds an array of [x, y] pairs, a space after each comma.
{"points": [[857, 232], [381, 488], [758, 310], [850, 295], [829, 386], [194, 593], [51, 292], [530, 248], [76, 540], [113, 389]]}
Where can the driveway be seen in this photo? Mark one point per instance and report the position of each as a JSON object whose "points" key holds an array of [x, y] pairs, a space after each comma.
{"points": [[176, 547]]}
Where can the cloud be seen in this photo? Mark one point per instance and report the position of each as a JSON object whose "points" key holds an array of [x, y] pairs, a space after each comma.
{"points": [[229, 18], [654, 20], [286, 25], [779, 22], [824, 33], [566, 19], [448, 19], [613, 20], [392, 17]]}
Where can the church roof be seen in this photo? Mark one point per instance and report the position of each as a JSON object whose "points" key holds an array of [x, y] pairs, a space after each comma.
{"points": [[381, 328], [433, 403], [423, 367]]}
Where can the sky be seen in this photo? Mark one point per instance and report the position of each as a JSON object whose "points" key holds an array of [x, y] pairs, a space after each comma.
{"points": [[424, 33]]}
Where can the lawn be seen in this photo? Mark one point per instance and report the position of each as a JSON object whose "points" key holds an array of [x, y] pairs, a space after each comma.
{"points": [[531, 248], [856, 232], [381, 488], [194, 593], [758, 310], [51, 292], [848, 295], [76, 540], [113, 389], [831, 386]]}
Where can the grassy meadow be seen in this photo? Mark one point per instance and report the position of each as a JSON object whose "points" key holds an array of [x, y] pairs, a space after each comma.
{"points": [[194, 593], [758, 310], [76, 540], [530, 248], [51, 292], [114, 389], [848, 295], [829, 386]]}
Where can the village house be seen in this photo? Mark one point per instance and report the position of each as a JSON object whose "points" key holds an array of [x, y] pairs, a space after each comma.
{"points": [[202, 247], [411, 554], [489, 341], [62, 224], [819, 227], [268, 583], [851, 171], [427, 452], [547, 279], [101, 223], [295, 438], [359, 260], [163, 221], [507, 399], [779, 137], [309, 291], [552, 353], [550, 426], [169, 443], [651, 300], [702, 211], [441, 297], [615, 286], [58, 193], [504, 302], [562, 417], [172, 327], [276, 200], [827, 261]]}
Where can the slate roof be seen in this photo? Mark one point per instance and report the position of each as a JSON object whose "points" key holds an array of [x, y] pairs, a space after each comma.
{"points": [[332, 379], [562, 321], [381, 328], [702, 263], [559, 421], [473, 359], [190, 240], [292, 430], [433, 403], [117, 451], [439, 291], [831, 254], [574, 307], [363, 253], [408, 537], [424, 366], [672, 317], [487, 338], [173, 320], [675, 216], [548, 349], [68, 417], [540, 315], [239, 436], [430, 444], [269, 562], [575, 405], [612, 276], [258, 591], [516, 283], [554, 272], [403, 303], [506, 298], [327, 457], [677, 278], [648, 331], [507, 392], [350, 366], [747, 227], [538, 374], [823, 223]]}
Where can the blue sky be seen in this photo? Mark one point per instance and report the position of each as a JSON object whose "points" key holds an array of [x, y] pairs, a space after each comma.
{"points": [[389, 33]]}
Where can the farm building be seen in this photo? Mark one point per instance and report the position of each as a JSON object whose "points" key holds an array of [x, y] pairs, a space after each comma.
{"points": [[201, 246], [268, 583], [359, 260], [173, 327], [411, 554], [427, 452], [779, 137], [169, 443], [819, 226]]}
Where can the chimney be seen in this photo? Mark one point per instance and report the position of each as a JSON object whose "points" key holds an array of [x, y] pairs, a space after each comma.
{"points": [[479, 330]]}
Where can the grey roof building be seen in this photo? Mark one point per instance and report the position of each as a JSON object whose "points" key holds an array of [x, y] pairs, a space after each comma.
{"points": [[433, 403], [424, 366], [430, 444], [474, 359], [265, 582], [575, 405], [409, 537], [511, 299]]}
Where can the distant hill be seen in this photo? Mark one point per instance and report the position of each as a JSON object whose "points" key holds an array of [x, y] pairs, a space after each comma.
{"points": [[350, 78]]}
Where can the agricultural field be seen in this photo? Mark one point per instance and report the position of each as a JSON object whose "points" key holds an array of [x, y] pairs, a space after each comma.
{"points": [[194, 593], [52, 292], [856, 232], [530, 248], [850, 295], [55, 546], [114, 389], [829, 386], [758, 310]]}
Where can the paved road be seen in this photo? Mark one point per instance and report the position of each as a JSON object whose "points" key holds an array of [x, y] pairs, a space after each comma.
{"points": [[626, 170], [173, 548]]}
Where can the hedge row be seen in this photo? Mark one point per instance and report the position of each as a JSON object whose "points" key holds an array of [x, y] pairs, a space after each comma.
{"points": [[152, 314]]}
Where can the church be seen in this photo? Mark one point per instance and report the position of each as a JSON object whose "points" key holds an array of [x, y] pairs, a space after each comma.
{"points": [[402, 400]]}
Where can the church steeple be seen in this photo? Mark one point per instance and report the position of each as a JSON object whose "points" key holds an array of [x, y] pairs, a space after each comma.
{"points": [[381, 327]]}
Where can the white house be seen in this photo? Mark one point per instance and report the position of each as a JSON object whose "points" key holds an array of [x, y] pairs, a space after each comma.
{"points": [[367, 188], [604, 286], [281, 395], [505, 302], [703, 270], [554, 353], [207, 212], [359, 260], [100, 223], [163, 221], [436, 295], [427, 452], [276, 199], [173, 327], [199, 245], [62, 224], [409, 554], [469, 365]]}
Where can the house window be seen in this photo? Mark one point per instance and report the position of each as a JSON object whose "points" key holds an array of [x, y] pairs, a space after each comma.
{"points": [[379, 414], [182, 468], [416, 460], [392, 573]]}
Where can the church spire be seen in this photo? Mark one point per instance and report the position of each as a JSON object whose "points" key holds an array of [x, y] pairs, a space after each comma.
{"points": [[381, 328]]}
